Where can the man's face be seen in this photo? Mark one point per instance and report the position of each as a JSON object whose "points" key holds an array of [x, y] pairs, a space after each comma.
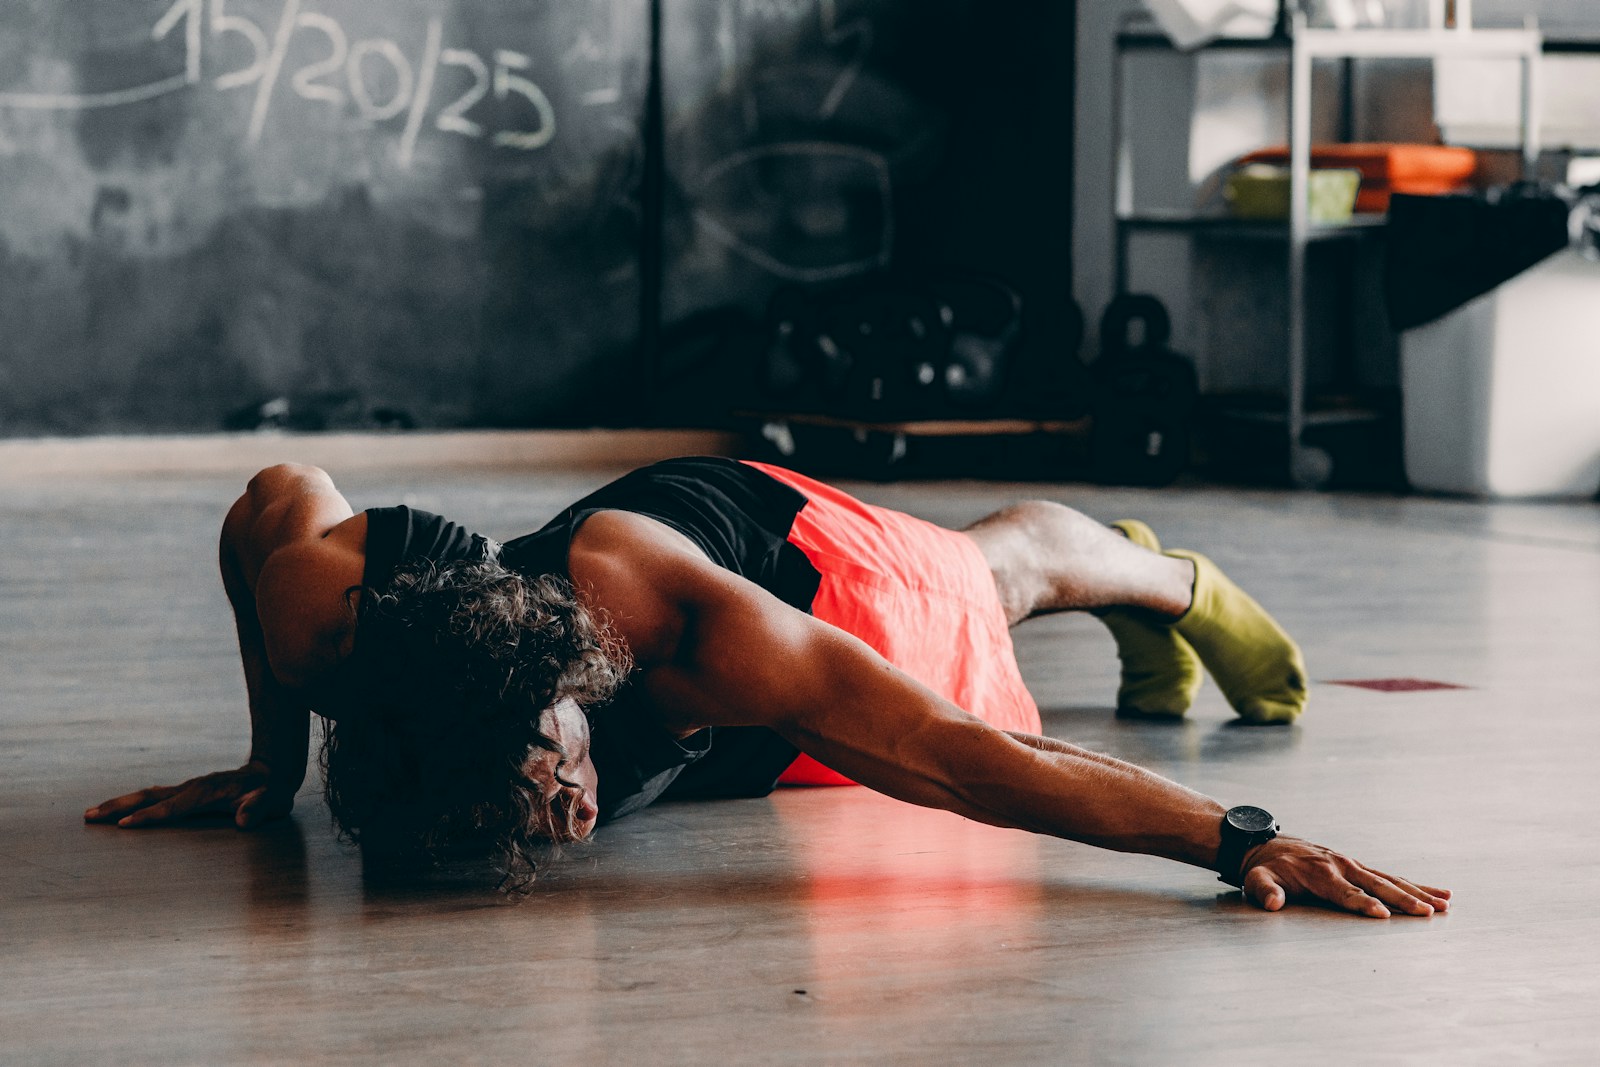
{"points": [[570, 785]]}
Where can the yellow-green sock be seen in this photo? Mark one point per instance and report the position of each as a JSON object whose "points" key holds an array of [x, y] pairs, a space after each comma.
{"points": [[1160, 672], [1257, 666]]}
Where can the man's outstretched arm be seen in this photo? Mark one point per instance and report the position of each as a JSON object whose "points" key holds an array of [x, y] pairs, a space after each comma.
{"points": [[1303, 865], [277, 529], [718, 650]]}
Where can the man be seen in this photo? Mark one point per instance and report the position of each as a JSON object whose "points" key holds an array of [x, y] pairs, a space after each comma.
{"points": [[705, 627]]}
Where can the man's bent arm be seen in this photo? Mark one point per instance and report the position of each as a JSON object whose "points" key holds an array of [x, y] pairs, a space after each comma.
{"points": [[284, 577], [280, 721], [283, 510]]}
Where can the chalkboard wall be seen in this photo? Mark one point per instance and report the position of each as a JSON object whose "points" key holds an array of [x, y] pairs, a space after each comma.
{"points": [[334, 213]]}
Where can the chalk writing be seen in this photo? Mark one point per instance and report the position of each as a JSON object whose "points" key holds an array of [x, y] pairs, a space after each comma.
{"points": [[837, 214], [224, 23], [373, 76], [423, 93], [269, 76], [872, 172], [776, 10], [852, 35], [835, 35], [453, 118]]}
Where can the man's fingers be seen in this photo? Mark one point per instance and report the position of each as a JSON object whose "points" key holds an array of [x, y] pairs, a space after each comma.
{"points": [[1327, 884], [1287, 868], [1394, 894], [1263, 888], [117, 807], [1369, 906], [146, 815], [1440, 897], [192, 799], [261, 805], [226, 791], [1436, 899], [245, 816], [1353, 898]]}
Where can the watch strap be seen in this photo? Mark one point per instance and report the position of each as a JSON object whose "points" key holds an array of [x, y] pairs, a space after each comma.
{"points": [[1237, 841]]}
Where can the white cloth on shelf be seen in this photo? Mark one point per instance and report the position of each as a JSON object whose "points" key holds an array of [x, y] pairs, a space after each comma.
{"points": [[1191, 23]]}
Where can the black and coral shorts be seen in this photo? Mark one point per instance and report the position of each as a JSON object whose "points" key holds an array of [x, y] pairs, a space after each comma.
{"points": [[920, 595]]}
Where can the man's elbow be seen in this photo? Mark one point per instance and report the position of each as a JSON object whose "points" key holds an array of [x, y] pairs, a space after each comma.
{"points": [[249, 527], [275, 488], [273, 481]]}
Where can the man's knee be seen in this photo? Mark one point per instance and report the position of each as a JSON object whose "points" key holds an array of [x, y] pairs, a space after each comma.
{"points": [[1015, 542], [1027, 529], [1043, 518]]}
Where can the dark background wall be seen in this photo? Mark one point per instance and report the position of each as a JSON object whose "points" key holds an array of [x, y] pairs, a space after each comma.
{"points": [[811, 144], [333, 213]]}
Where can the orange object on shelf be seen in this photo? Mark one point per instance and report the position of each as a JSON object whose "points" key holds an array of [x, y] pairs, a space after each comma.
{"points": [[1422, 169]]}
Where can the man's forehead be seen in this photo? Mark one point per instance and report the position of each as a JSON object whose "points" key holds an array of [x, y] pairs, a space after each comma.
{"points": [[563, 719]]}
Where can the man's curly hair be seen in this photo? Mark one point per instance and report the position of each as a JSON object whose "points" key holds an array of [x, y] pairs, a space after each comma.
{"points": [[452, 667]]}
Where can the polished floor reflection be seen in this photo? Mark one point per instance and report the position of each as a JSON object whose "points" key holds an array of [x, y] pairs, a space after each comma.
{"points": [[830, 926]]}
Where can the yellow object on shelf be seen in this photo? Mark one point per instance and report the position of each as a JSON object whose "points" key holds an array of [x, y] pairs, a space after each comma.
{"points": [[1261, 191]]}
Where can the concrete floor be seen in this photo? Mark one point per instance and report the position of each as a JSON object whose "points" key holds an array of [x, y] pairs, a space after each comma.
{"points": [[830, 926]]}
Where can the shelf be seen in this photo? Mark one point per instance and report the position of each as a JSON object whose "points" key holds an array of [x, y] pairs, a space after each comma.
{"points": [[1369, 44], [1339, 417], [926, 427], [1154, 40], [1421, 44], [1248, 229], [1300, 46]]}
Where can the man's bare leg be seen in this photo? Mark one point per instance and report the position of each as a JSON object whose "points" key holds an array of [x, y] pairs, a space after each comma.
{"points": [[1045, 558]]}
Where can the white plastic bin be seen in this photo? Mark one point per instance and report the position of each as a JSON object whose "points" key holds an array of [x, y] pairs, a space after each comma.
{"points": [[1502, 395]]}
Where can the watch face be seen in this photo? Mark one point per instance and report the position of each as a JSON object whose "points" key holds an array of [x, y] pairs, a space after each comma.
{"points": [[1250, 819]]}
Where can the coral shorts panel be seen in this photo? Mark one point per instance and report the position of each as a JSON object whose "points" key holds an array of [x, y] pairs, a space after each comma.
{"points": [[920, 595]]}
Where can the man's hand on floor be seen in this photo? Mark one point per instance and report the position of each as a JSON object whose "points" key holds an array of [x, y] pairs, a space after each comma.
{"points": [[248, 794], [1288, 869]]}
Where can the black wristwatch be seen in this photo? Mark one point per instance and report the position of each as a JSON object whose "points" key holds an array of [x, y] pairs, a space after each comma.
{"points": [[1243, 828]]}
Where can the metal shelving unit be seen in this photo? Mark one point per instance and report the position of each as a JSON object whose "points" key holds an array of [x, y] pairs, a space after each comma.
{"points": [[1309, 467]]}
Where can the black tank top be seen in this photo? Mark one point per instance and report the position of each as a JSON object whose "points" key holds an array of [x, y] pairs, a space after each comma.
{"points": [[739, 517]]}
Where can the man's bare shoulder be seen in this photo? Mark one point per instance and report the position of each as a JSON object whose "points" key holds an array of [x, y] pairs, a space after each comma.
{"points": [[306, 601], [639, 575], [713, 647], [624, 535], [288, 504]]}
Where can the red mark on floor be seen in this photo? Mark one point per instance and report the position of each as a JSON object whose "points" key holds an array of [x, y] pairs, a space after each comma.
{"points": [[1398, 685]]}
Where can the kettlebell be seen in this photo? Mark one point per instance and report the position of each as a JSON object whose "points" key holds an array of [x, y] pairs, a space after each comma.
{"points": [[982, 317], [786, 364], [1144, 396]]}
